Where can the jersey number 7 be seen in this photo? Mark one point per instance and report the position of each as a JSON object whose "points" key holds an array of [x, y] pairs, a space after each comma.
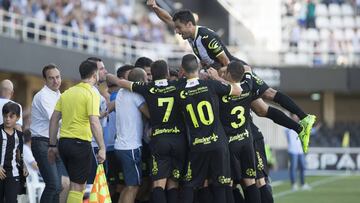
{"points": [[170, 101]]}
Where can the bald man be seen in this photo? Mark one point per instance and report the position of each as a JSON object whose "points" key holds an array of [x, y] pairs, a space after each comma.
{"points": [[6, 93]]}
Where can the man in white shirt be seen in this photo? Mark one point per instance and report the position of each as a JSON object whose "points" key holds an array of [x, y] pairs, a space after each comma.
{"points": [[54, 175], [297, 158], [6, 93], [129, 108]]}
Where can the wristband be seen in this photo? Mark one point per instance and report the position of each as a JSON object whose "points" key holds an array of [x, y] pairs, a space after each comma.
{"points": [[52, 145]]}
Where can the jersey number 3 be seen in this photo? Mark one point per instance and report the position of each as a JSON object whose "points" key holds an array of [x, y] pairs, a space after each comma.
{"points": [[239, 110]]}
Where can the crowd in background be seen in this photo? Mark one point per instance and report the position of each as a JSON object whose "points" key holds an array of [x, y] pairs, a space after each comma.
{"points": [[112, 17]]}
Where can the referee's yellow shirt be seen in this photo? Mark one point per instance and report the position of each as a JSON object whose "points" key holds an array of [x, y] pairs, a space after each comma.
{"points": [[76, 105]]}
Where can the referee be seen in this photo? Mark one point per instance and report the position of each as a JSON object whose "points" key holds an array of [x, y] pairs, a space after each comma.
{"points": [[78, 107]]}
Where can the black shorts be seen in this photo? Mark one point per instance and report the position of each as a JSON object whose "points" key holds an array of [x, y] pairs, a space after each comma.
{"points": [[76, 155], [242, 159], [213, 165], [261, 161], [168, 157], [145, 159], [114, 174], [259, 87]]}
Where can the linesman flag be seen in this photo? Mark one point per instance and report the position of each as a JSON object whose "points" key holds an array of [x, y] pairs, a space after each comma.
{"points": [[100, 191]]}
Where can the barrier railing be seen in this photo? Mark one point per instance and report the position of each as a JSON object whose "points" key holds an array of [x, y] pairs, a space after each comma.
{"points": [[31, 29]]}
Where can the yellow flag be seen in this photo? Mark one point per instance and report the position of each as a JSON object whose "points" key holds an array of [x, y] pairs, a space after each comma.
{"points": [[346, 139], [100, 191]]}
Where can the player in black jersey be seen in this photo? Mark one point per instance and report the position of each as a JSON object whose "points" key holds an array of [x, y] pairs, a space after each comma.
{"points": [[208, 155], [235, 115], [168, 141], [212, 52]]}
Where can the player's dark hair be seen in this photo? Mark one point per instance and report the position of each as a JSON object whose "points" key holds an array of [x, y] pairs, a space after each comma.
{"points": [[236, 70], [11, 108], [87, 68], [174, 73], [48, 67], [143, 62], [159, 70], [120, 73], [184, 16], [189, 63], [94, 59], [137, 75]]}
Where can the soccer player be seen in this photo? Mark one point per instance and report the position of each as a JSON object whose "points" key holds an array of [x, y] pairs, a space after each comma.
{"points": [[235, 115], [144, 63], [78, 107], [168, 141], [208, 47], [208, 158]]}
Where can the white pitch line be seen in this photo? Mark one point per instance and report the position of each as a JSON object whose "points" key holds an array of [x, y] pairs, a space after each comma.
{"points": [[313, 185]]}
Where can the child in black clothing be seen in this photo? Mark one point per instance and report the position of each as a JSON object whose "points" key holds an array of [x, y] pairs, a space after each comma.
{"points": [[12, 169]]}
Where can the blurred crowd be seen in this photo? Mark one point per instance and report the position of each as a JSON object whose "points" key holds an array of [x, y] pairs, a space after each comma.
{"points": [[113, 17], [327, 31]]}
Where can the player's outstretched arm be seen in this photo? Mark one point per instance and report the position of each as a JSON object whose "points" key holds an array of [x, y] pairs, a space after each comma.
{"points": [[119, 82], [161, 13]]}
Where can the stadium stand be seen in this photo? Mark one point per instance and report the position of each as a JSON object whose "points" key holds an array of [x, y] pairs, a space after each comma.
{"points": [[320, 32]]}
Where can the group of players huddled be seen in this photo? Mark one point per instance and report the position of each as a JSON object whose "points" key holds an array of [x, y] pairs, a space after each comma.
{"points": [[203, 144]]}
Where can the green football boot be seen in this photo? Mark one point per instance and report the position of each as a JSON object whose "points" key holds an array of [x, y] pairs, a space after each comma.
{"points": [[307, 124]]}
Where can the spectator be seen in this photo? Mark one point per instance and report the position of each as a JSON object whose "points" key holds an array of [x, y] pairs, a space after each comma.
{"points": [[297, 158], [6, 93], [310, 14]]}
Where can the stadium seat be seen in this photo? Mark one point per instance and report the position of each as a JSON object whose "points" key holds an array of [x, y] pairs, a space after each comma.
{"points": [[322, 22], [324, 34], [339, 35], [290, 58], [323, 47], [358, 33], [303, 59], [349, 22], [303, 47], [334, 10], [357, 21], [312, 34], [347, 10], [349, 34], [336, 22], [321, 10]]}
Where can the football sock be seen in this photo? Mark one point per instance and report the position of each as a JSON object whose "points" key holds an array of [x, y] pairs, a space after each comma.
{"points": [[229, 194], [188, 195], [252, 194], [219, 194], [280, 118], [75, 197], [266, 196], [238, 198], [158, 195], [172, 195], [286, 102], [204, 195]]}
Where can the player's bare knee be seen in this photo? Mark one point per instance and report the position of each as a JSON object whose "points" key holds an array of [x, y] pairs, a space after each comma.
{"points": [[170, 184], [160, 183], [259, 107], [248, 181], [269, 94], [260, 182]]}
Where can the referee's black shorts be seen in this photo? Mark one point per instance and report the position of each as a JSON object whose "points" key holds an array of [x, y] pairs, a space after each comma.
{"points": [[168, 157], [76, 155]]}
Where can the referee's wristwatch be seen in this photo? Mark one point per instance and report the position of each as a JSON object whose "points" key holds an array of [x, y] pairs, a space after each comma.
{"points": [[52, 145]]}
